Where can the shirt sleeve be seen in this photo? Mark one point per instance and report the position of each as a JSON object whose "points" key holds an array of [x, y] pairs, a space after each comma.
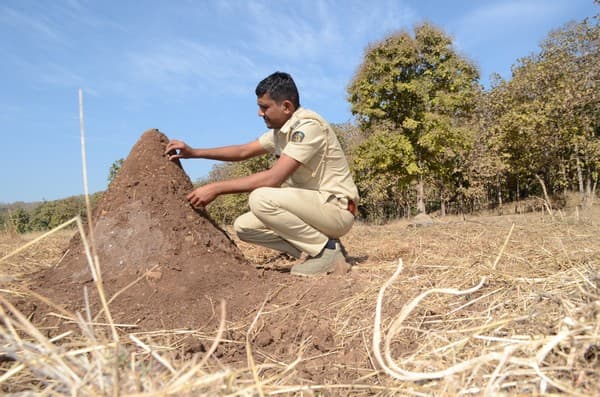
{"points": [[306, 141], [267, 141]]}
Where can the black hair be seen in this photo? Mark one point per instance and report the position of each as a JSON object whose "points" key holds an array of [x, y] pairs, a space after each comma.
{"points": [[280, 86]]}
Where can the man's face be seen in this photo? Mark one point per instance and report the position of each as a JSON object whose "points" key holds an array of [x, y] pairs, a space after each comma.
{"points": [[274, 114]]}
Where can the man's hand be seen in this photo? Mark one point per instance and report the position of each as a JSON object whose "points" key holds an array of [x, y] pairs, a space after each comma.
{"points": [[202, 196], [179, 150]]}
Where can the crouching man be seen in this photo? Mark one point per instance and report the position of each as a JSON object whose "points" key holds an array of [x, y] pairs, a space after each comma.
{"points": [[307, 200]]}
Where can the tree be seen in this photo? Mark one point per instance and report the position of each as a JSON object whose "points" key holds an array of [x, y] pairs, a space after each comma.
{"points": [[114, 169], [574, 51], [547, 115], [50, 214], [382, 165], [420, 88], [20, 220]]}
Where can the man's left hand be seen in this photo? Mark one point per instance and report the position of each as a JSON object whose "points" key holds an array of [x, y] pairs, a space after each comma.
{"points": [[202, 196]]}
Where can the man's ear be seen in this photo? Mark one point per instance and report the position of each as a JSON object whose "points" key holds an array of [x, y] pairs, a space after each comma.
{"points": [[288, 106]]}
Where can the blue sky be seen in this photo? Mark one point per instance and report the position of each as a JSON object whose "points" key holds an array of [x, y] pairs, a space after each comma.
{"points": [[190, 68]]}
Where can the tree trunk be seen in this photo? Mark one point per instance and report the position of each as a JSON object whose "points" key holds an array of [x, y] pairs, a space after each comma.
{"points": [[579, 172], [442, 203], [518, 196], [563, 170], [588, 181], [546, 198], [499, 187], [420, 196]]}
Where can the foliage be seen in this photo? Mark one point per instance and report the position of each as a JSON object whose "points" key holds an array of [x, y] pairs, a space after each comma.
{"points": [[547, 115], [46, 215], [381, 164], [19, 220], [427, 135], [114, 169], [226, 208], [420, 89], [50, 214]]}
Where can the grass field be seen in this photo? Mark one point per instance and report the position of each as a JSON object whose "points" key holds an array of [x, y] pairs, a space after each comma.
{"points": [[482, 305]]}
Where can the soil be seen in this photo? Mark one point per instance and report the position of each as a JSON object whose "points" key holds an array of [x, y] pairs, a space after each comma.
{"points": [[165, 268], [165, 265]]}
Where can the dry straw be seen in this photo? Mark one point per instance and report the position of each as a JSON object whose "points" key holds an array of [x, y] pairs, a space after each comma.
{"points": [[486, 339], [487, 306]]}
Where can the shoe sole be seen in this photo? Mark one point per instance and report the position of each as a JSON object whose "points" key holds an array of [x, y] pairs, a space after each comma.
{"points": [[339, 266]]}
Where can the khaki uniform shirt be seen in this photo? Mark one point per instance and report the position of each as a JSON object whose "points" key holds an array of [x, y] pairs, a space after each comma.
{"points": [[309, 139]]}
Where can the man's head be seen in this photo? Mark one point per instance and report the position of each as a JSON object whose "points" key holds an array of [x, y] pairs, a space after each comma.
{"points": [[277, 99]]}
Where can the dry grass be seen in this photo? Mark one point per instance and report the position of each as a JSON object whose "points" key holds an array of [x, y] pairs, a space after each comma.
{"points": [[530, 327]]}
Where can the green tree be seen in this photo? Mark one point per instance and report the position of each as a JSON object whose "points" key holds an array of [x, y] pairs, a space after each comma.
{"points": [[574, 51], [50, 214], [382, 165], [20, 220], [486, 165], [114, 169], [547, 115], [418, 87]]}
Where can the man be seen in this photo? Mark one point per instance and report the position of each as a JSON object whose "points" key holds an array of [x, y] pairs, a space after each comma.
{"points": [[306, 201]]}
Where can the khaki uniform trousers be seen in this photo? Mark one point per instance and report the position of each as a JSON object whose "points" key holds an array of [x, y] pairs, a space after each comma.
{"points": [[293, 220]]}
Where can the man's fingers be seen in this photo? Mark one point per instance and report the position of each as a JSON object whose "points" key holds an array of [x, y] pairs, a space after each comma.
{"points": [[194, 201], [173, 145]]}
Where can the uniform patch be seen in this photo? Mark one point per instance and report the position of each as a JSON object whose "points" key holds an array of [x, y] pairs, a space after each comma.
{"points": [[297, 136]]}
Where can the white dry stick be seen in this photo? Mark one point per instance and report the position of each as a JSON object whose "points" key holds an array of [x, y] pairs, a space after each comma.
{"points": [[84, 172], [49, 352], [493, 386], [503, 246], [86, 248], [95, 263], [389, 365], [251, 363], [43, 236], [14, 370], [154, 354]]}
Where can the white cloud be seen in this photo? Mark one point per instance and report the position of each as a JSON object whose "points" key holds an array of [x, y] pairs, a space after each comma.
{"points": [[507, 18], [40, 26], [183, 66]]}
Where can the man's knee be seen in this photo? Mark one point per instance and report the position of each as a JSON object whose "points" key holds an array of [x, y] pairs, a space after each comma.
{"points": [[258, 199], [241, 227], [238, 225]]}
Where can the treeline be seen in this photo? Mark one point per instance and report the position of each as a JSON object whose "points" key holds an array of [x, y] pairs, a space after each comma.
{"points": [[43, 216], [428, 137]]}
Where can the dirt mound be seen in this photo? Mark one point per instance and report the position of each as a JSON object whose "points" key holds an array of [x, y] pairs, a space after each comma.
{"points": [[166, 266], [145, 230]]}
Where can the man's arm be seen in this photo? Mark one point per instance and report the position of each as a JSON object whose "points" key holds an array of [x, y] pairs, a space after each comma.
{"points": [[181, 150], [273, 177]]}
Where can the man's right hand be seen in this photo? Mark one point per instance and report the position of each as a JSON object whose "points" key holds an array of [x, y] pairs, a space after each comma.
{"points": [[179, 150]]}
